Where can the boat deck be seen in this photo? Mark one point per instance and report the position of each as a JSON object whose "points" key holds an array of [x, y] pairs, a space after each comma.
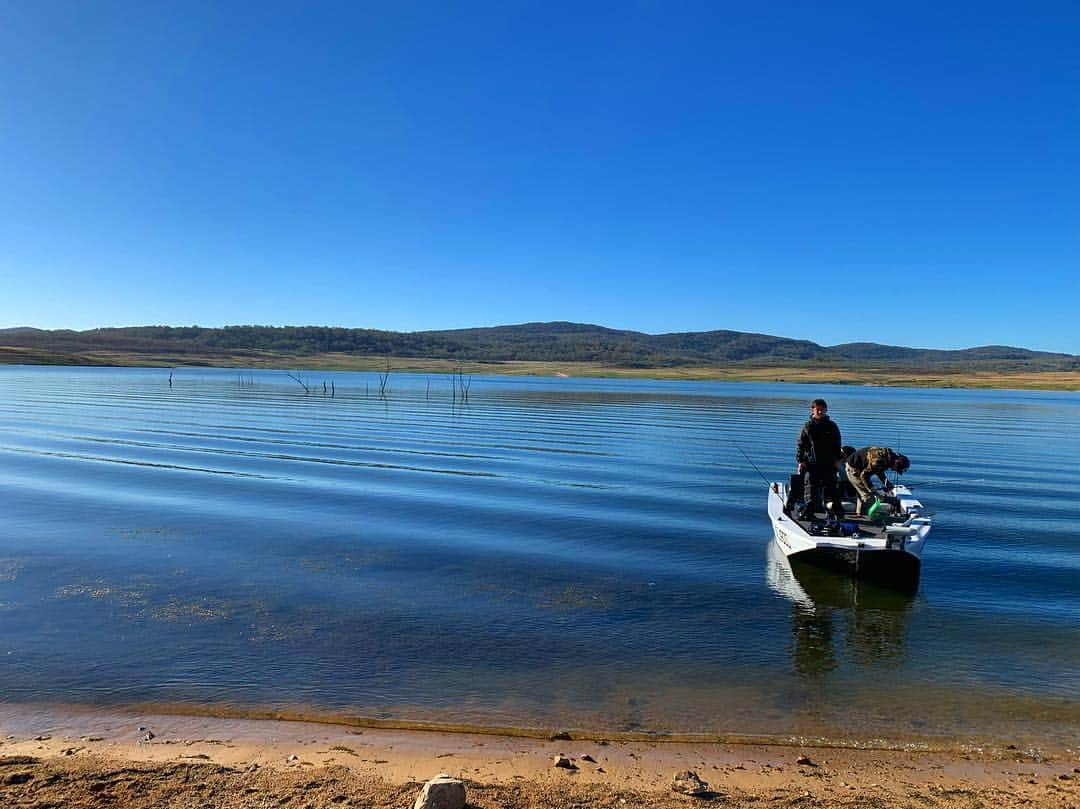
{"points": [[865, 527]]}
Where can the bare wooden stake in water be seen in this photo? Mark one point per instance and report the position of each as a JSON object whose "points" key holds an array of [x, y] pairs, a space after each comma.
{"points": [[384, 378], [459, 381]]}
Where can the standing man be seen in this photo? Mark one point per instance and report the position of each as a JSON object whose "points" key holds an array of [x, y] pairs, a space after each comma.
{"points": [[817, 453]]}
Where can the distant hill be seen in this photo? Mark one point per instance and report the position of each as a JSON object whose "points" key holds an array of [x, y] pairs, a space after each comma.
{"points": [[541, 342]]}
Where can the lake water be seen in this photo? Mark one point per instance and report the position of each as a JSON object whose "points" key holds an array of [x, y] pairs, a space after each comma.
{"points": [[551, 553]]}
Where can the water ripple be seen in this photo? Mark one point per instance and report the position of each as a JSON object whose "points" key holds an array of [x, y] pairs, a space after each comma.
{"points": [[552, 551]]}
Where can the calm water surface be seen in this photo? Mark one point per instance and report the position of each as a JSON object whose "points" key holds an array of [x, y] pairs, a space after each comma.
{"points": [[551, 553]]}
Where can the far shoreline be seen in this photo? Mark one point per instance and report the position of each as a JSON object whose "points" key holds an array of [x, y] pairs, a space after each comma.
{"points": [[870, 375]]}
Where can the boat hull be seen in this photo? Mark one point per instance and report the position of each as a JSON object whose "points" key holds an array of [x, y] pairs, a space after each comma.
{"points": [[895, 568], [811, 586]]}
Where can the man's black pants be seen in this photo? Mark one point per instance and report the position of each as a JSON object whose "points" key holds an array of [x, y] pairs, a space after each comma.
{"points": [[819, 488]]}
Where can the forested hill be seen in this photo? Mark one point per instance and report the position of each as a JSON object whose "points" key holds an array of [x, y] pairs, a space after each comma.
{"points": [[541, 342]]}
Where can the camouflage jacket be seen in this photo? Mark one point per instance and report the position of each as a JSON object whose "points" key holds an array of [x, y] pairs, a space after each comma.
{"points": [[870, 461]]}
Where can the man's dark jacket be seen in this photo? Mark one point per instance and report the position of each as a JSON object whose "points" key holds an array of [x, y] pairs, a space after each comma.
{"points": [[819, 444]]}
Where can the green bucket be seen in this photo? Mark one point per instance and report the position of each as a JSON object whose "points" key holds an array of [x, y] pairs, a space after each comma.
{"points": [[873, 510]]}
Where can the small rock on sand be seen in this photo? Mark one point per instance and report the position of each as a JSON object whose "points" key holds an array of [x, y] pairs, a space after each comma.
{"points": [[564, 762], [441, 792], [687, 782]]}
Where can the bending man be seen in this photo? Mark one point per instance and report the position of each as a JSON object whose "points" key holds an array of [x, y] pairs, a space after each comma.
{"points": [[863, 464]]}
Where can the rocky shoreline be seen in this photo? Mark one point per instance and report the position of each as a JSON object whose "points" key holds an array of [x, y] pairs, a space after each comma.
{"points": [[173, 761]]}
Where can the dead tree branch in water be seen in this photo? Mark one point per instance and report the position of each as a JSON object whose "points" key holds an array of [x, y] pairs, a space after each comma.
{"points": [[299, 381]]}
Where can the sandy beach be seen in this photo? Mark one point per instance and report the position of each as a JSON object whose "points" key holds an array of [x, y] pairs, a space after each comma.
{"points": [[58, 758]]}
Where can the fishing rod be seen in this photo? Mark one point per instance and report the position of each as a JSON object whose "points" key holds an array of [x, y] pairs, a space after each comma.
{"points": [[772, 488], [942, 482], [752, 464]]}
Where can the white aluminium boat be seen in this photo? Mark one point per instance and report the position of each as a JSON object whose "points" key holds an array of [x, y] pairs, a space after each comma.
{"points": [[887, 551]]}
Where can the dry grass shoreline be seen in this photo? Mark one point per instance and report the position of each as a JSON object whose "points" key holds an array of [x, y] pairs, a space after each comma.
{"points": [[49, 759], [884, 375]]}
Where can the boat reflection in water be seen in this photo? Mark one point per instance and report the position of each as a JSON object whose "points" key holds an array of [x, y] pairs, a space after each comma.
{"points": [[837, 615]]}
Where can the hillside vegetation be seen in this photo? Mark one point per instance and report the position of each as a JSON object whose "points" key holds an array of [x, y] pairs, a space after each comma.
{"points": [[581, 347]]}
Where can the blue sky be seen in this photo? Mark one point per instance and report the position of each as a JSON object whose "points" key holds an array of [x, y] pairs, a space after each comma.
{"points": [[904, 173]]}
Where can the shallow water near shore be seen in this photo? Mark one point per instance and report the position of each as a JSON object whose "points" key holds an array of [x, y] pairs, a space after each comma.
{"points": [[549, 553]]}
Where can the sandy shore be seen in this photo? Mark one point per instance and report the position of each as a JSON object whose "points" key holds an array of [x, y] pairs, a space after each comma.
{"points": [[51, 758]]}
